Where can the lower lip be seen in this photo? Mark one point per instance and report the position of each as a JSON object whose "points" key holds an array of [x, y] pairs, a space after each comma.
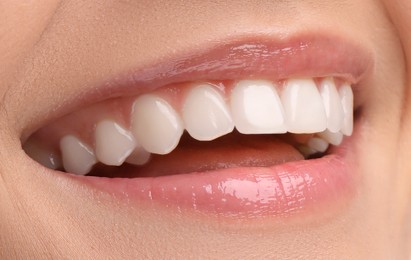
{"points": [[252, 192]]}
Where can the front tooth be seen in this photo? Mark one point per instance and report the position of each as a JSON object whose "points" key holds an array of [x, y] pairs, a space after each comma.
{"points": [[138, 157], [113, 143], [256, 108], [332, 105], [205, 114], [332, 138], [304, 108], [156, 125], [347, 101], [78, 158], [318, 144]]}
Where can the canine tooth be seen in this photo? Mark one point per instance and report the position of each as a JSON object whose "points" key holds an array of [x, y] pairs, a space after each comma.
{"points": [[155, 124], [138, 157], [256, 108], [304, 108], [332, 138], [42, 155], [332, 105], [205, 114], [78, 158], [318, 144], [347, 101], [113, 143]]}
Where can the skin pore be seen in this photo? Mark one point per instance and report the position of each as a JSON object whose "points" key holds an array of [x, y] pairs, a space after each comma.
{"points": [[53, 53]]}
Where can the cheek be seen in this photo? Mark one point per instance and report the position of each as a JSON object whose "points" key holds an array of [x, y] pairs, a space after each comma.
{"points": [[21, 26], [399, 11]]}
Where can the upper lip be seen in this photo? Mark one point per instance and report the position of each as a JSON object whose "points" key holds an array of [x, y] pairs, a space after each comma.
{"points": [[261, 57], [310, 55]]}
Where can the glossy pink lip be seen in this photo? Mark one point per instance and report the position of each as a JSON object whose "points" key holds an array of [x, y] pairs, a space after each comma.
{"points": [[248, 192], [253, 57], [253, 192]]}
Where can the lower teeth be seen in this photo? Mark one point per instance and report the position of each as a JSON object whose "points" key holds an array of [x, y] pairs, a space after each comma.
{"points": [[229, 151]]}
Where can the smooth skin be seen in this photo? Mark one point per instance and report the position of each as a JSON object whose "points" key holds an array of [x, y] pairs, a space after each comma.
{"points": [[51, 51]]}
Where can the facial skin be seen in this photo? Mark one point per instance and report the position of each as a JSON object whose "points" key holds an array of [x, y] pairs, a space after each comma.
{"points": [[51, 53]]}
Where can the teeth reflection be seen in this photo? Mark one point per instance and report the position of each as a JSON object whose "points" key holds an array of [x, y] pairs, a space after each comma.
{"points": [[139, 157], [78, 158], [304, 108], [332, 105], [318, 144], [347, 100], [332, 138], [113, 143], [206, 115], [306, 151], [156, 125], [256, 108]]}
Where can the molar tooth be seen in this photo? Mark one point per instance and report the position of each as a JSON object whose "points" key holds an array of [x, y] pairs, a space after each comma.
{"points": [[332, 105], [256, 108], [78, 158], [205, 114], [113, 143], [155, 124], [332, 138], [347, 101], [139, 156], [306, 151], [42, 155], [318, 144], [304, 108]]}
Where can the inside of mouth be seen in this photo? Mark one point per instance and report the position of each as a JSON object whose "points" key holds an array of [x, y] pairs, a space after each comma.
{"points": [[230, 151], [199, 127]]}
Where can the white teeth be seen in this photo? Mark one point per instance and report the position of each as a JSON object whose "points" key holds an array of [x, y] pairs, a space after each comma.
{"points": [[155, 124], [205, 114], [347, 101], [113, 143], [318, 144], [257, 108], [43, 156], [332, 138], [332, 105], [139, 156], [303, 107], [78, 158], [306, 151]]}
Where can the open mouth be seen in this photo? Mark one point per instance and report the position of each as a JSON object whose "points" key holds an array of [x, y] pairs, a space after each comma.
{"points": [[243, 130]]}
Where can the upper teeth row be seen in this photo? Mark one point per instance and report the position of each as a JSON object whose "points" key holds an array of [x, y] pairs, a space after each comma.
{"points": [[253, 107]]}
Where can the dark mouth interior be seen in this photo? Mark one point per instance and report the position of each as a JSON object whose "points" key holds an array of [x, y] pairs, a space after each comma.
{"points": [[229, 151]]}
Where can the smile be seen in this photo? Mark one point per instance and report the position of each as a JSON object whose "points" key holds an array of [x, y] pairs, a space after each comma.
{"points": [[253, 128]]}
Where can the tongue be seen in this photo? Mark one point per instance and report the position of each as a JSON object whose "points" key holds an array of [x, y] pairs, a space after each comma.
{"points": [[230, 151]]}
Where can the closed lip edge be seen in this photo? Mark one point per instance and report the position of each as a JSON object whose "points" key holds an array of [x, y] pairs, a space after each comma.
{"points": [[214, 61]]}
